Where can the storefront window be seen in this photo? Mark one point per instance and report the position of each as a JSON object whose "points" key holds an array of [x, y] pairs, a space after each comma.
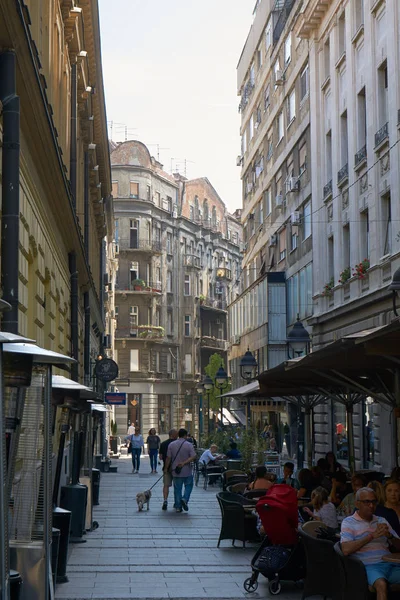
{"points": [[164, 413], [339, 433]]}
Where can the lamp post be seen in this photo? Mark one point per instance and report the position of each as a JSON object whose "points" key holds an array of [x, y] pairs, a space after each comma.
{"points": [[395, 288], [248, 371], [298, 340], [200, 390], [221, 383], [208, 386]]}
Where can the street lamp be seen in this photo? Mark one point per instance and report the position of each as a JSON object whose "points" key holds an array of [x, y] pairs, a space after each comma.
{"points": [[208, 386], [298, 339], [221, 382], [395, 288], [200, 390], [248, 371]]}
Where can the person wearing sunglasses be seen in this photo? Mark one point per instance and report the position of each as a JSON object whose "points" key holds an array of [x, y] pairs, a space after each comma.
{"points": [[369, 538]]}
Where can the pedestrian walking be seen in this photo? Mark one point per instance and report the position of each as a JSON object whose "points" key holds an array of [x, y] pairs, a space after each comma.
{"points": [[153, 444], [167, 475], [180, 455], [131, 429], [136, 445]]}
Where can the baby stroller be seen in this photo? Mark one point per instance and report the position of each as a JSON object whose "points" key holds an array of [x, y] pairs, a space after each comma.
{"points": [[280, 555]]}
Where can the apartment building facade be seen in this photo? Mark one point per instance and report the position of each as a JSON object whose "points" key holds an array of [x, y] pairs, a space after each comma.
{"points": [[177, 250], [355, 101], [62, 190], [276, 282]]}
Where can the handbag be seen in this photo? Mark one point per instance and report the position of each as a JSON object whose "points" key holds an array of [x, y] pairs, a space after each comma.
{"points": [[130, 449], [178, 470]]}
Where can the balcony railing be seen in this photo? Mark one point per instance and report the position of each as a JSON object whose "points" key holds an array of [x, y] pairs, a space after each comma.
{"points": [[343, 173], [212, 342], [152, 287], [224, 273], [360, 156], [283, 7], [217, 303], [328, 189], [141, 332], [382, 134], [126, 245], [191, 260]]}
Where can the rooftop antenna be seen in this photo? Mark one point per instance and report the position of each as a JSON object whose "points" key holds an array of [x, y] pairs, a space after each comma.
{"points": [[111, 124], [158, 149], [126, 130], [185, 162]]}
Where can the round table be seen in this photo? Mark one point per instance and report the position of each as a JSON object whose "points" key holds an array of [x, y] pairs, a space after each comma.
{"points": [[392, 558]]}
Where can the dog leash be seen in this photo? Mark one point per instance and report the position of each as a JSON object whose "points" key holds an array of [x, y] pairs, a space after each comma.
{"points": [[156, 482]]}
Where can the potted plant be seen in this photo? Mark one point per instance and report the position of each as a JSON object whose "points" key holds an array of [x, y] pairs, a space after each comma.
{"points": [[345, 275], [202, 298], [138, 284], [113, 437], [361, 269], [328, 287]]}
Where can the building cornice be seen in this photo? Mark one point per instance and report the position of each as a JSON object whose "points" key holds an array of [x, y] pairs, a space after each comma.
{"points": [[311, 16]]}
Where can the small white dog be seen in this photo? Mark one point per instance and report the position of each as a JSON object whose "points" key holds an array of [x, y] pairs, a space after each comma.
{"points": [[143, 498]]}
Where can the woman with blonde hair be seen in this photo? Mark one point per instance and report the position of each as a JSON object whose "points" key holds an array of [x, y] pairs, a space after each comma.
{"points": [[324, 510], [383, 511]]}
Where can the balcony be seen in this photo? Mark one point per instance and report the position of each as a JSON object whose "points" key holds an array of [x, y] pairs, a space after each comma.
{"points": [[214, 343], [382, 135], [191, 260], [127, 245], [141, 332], [283, 7], [213, 303], [141, 287], [343, 174], [223, 273], [360, 156], [328, 190]]}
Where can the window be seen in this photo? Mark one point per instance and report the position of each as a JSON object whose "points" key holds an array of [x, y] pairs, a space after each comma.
{"points": [[383, 94], [188, 363], [277, 72], [307, 220], [294, 238], [191, 212], [158, 278], [187, 325], [282, 244], [288, 49], [134, 360], [346, 247], [134, 315], [251, 127], [291, 106], [302, 158], [268, 35], [116, 231], [157, 361], [259, 58], [299, 294], [364, 235], [280, 127], [361, 119], [304, 82], [358, 13], [148, 196], [327, 59], [158, 198], [134, 190], [169, 363], [115, 190], [158, 317], [169, 281], [331, 259], [266, 97], [170, 327], [387, 224], [261, 212], [343, 139], [328, 156], [342, 34], [268, 201], [169, 242], [169, 203], [187, 285], [252, 74]]}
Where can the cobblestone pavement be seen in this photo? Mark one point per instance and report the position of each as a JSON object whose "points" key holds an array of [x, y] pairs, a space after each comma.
{"points": [[157, 554]]}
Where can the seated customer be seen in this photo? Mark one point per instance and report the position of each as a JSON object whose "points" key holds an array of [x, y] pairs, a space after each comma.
{"points": [[210, 456], [348, 503], [306, 484], [288, 478], [339, 488], [263, 480], [233, 453], [383, 511], [323, 510], [392, 495], [369, 538]]}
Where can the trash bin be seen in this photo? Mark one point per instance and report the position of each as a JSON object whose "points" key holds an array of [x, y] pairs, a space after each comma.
{"points": [[15, 585], [97, 461], [62, 520], [96, 486], [55, 546]]}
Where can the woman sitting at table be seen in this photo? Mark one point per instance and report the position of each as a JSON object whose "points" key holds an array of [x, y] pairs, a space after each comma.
{"points": [[383, 511], [323, 510], [306, 482], [333, 466], [392, 495], [262, 480]]}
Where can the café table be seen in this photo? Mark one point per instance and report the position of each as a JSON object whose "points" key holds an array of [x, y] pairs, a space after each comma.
{"points": [[392, 558]]}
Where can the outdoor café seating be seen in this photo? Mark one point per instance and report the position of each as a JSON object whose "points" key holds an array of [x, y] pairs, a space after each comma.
{"points": [[237, 523], [237, 488], [254, 494]]}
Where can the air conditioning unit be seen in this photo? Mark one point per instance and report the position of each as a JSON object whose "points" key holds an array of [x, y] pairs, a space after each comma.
{"points": [[273, 240], [295, 218], [292, 184], [279, 200], [235, 340], [256, 124], [239, 160], [279, 78], [174, 214]]}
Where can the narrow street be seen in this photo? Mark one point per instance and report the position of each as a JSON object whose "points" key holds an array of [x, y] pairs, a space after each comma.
{"points": [[157, 554]]}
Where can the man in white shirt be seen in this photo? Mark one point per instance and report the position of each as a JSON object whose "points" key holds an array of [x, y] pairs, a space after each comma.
{"points": [[210, 455], [131, 429]]}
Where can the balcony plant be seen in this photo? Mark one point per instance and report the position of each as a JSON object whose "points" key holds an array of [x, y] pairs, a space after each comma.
{"points": [[328, 287], [138, 284], [202, 298], [345, 275], [360, 270]]}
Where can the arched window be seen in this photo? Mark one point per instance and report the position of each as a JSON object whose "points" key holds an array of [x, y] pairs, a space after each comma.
{"points": [[196, 207], [206, 216], [214, 217]]}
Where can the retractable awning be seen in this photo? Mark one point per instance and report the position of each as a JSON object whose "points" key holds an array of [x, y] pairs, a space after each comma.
{"points": [[245, 390]]}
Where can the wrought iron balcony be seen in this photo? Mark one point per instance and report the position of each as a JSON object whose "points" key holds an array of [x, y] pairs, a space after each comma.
{"points": [[146, 332], [224, 273], [328, 189], [211, 303], [192, 260], [127, 245], [139, 285], [212, 342], [283, 7], [343, 173], [382, 134], [360, 156]]}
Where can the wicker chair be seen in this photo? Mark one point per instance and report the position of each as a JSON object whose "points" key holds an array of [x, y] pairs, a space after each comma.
{"points": [[325, 573], [228, 475], [254, 494], [236, 523], [237, 488]]}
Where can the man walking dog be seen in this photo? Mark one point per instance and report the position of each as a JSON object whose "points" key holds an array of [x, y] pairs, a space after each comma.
{"points": [[167, 475], [180, 455]]}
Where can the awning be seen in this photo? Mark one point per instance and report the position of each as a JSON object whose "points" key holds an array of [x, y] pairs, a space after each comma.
{"points": [[245, 390], [40, 355], [99, 408], [59, 382], [229, 419]]}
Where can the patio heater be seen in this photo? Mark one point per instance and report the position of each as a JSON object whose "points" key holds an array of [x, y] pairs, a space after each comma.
{"points": [[208, 386], [30, 466], [200, 391], [248, 371], [221, 383], [6, 578]]}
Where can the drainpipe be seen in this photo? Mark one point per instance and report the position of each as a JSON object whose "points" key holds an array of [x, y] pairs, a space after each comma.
{"points": [[86, 205], [74, 121], [10, 189], [86, 351], [74, 313]]}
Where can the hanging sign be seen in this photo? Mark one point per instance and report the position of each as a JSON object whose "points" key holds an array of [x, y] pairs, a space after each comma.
{"points": [[115, 398], [106, 369]]}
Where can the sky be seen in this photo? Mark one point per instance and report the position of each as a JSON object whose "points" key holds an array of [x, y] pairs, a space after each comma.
{"points": [[169, 71]]}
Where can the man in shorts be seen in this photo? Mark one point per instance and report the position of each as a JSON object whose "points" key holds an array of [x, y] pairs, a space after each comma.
{"points": [[180, 456], [167, 475], [369, 537]]}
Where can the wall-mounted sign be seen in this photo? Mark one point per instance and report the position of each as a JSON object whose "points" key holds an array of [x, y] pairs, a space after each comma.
{"points": [[106, 369], [115, 398]]}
